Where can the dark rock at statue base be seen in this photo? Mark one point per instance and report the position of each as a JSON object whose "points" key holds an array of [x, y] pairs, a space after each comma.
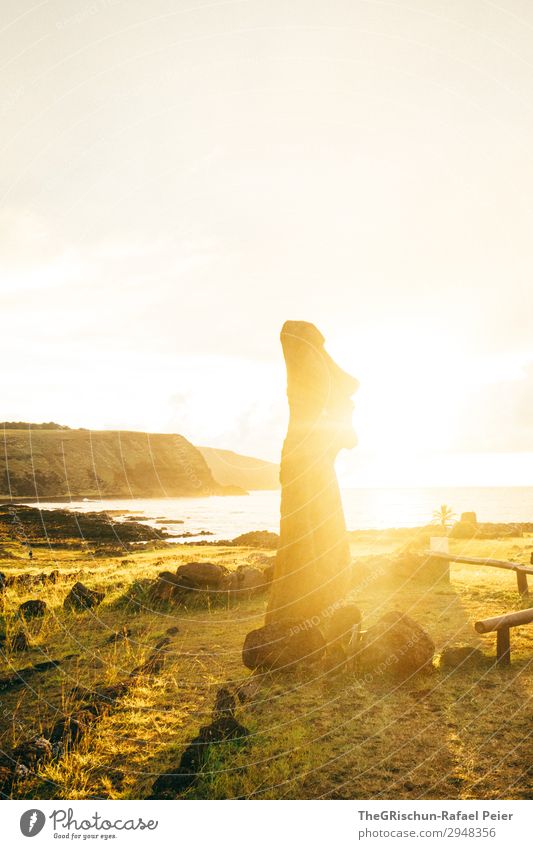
{"points": [[465, 657], [32, 609], [342, 623], [268, 572], [248, 581], [82, 598], [281, 645], [396, 646]]}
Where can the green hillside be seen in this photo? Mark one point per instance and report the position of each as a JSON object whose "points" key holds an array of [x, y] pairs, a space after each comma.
{"points": [[56, 462], [248, 472]]}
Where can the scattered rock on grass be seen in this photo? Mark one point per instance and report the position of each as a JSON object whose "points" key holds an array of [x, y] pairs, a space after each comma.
{"points": [[165, 588], [32, 609], [118, 636], [396, 645], [82, 598], [282, 645], [19, 641], [201, 576], [32, 752], [465, 657]]}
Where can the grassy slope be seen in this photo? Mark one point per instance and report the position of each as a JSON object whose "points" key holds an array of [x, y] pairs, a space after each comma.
{"points": [[460, 735], [82, 463], [248, 472]]}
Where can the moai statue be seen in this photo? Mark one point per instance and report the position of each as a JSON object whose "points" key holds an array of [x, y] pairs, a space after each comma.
{"points": [[312, 569]]}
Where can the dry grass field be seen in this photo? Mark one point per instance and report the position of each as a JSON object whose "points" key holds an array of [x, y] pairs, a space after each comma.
{"points": [[464, 733]]}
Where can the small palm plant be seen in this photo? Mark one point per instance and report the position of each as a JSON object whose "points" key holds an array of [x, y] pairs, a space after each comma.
{"points": [[444, 516]]}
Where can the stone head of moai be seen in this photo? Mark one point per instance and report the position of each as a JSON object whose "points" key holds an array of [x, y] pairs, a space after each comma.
{"points": [[318, 390], [313, 564]]}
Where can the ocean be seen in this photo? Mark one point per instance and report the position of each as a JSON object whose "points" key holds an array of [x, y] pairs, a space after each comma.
{"points": [[226, 517]]}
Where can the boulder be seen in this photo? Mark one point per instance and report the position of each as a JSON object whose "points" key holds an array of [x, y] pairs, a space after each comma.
{"points": [[19, 641], [32, 752], [464, 657], [396, 645], [250, 581], [32, 609], [82, 598], [282, 645], [69, 730], [166, 587], [343, 620], [201, 576], [225, 703], [268, 572]]}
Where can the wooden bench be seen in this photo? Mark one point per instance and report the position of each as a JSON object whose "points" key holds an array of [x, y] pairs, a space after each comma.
{"points": [[521, 571], [502, 625]]}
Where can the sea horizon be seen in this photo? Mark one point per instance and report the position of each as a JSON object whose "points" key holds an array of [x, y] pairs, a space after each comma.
{"points": [[366, 508]]}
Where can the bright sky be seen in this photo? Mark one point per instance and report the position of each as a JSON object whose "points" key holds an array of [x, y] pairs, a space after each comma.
{"points": [[178, 178]]}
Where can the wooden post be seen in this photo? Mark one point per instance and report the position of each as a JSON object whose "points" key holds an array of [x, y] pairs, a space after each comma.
{"points": [[521, 571], [521, 580], [503, 646], [502, 625]]}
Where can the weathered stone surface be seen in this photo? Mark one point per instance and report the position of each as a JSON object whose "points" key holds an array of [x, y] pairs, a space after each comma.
{"points": [[250, 581], [281, 645], [69, 730], [201, 576], [464, 657], [82, 598], [268, 571], [396, 645], [166, 588], [32, 752], [248, 689], [32, 609], [20, 641], [313, 563], [225, 703]]}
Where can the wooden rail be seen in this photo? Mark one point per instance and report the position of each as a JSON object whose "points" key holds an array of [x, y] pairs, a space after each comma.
{"points": [[502, 625], [521, 571]]}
